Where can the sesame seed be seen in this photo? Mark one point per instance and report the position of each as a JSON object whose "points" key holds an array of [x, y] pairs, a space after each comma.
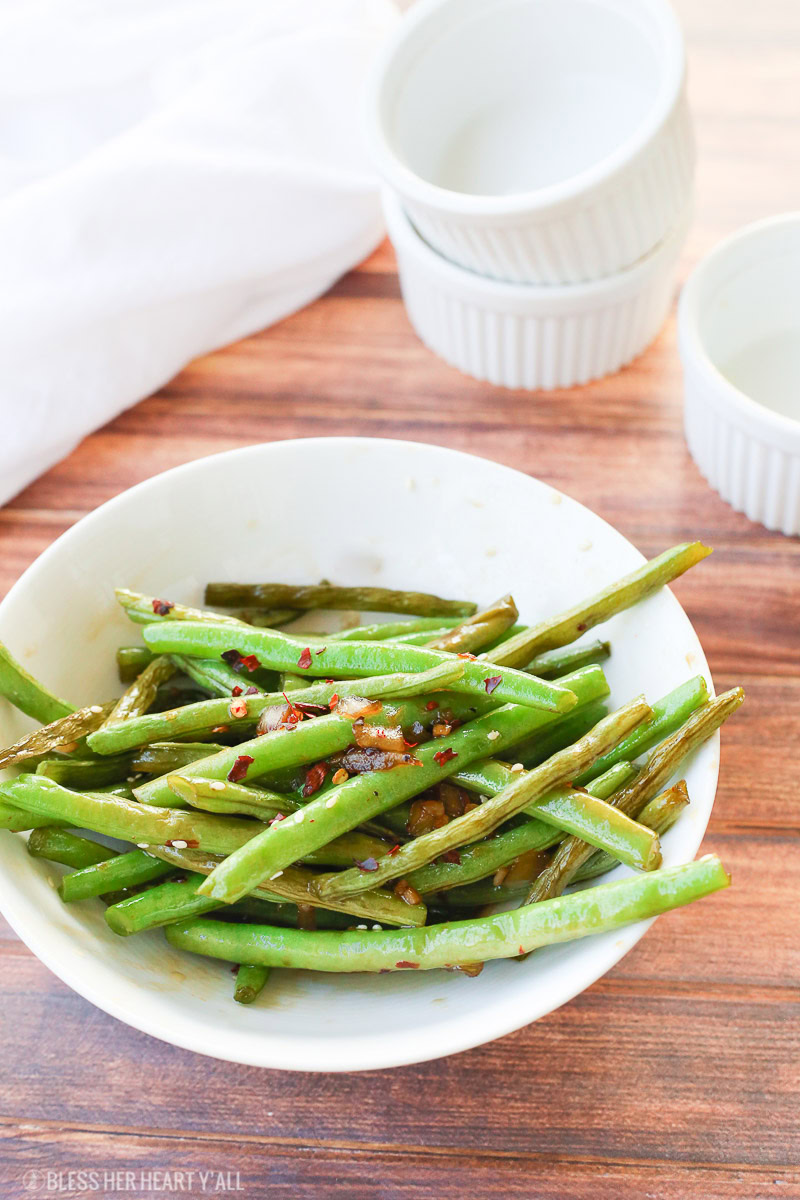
{"points": [[329, 803], [179, 844], [361, 927], [483, 799], [377, 927], [96, 708], [299, 816], [142, 845], [277, 875], [493, 735], [51, 881], [216, 785], [517, 767]]}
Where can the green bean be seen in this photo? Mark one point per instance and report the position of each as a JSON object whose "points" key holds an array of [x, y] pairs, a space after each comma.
{"points": [[502, 935], [208, 714], [540, 746], [142, 692], [143, 610], [115, 874], [272, 617], [391, 629], [669, 713], [131, 661], [250, 983], [61, 846], [554, 663], [660, 814], [211, 674], [484, 858], [326, 595], [568, 626], [61, 734], [177, 900], [16, 821], [222, 796], [147, 825], [418, 639], [159, 758], [86, 773], [363, 797], [479, 630], [527, 788], [284, 653], [307, 742], [660, 766], [26, 693], [292, 683]]}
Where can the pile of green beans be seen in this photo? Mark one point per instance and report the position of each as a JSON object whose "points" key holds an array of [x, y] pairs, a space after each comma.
{"points": [[329, 800]]}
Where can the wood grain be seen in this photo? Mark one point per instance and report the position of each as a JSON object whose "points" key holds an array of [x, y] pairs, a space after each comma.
{"points": [[677, 1076]]}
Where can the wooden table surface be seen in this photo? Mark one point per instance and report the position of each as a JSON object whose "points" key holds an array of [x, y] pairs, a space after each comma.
{"points": [[678, 1074]]}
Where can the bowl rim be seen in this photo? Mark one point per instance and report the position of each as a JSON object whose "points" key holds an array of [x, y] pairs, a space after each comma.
{"points": [[547, 298], [544, 201], [692, 346], [461, 1033]]}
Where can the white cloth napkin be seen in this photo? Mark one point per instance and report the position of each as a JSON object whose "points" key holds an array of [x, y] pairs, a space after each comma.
{"points": [[174, 174]]}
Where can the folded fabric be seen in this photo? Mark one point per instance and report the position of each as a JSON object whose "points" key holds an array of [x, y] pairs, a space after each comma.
{"points": [[174, 174]]}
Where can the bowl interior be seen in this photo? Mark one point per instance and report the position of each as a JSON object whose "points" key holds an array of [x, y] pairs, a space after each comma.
{"points": [[748, 314], [351, 510], [495, 97]]}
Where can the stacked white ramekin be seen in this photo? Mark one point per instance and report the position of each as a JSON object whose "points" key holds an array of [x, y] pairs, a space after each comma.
{"points": [[538, 158]]}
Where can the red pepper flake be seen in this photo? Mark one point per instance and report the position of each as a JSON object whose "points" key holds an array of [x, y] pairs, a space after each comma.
{"points": [[367, 864], [239, 768], [403, 963], [237, 691], [330, 681], [251, 691], [466, 654], [492, 682], [315, 777], [304, 661], [431, 705], [444, 756], [238, 709], [239, 662], [393, 850], [220, 729], [581, 627], [162, 607], [450, 856], [278, 817], [521, 950], [322, 651], [334, 700]]}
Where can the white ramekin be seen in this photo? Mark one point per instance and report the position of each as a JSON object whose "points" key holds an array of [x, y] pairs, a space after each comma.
{"points": [[527, 335], [739, 323], [536, 141]]}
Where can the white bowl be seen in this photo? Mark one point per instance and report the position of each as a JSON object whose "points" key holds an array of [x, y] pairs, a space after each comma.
{"points": [[739, 340], [535, 141], [527, 336], [218, 518]]}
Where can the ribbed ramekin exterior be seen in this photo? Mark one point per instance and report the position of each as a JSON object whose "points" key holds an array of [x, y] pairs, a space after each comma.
{"points": [[616, 223], [520, 350], [757, 472]]}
